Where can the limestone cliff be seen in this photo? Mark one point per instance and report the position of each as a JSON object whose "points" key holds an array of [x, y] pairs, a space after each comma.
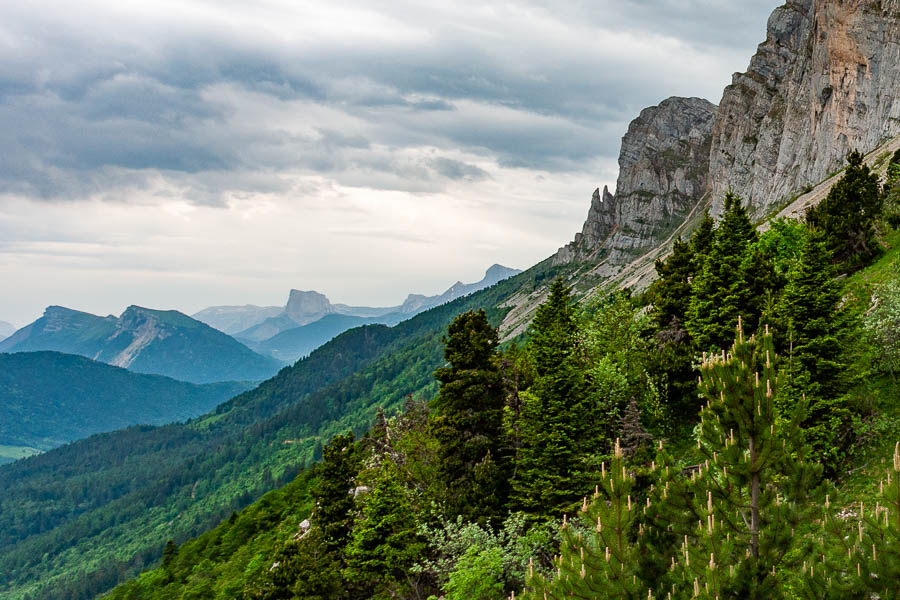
{"points": [[662, 175], [825, 81]]}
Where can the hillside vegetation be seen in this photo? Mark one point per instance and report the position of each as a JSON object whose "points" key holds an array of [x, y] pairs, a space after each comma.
{"points": [[48, 399], [95, 524], [713, 438]]}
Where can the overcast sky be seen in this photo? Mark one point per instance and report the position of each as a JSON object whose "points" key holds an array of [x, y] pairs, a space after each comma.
{"points": [[187, 154]]}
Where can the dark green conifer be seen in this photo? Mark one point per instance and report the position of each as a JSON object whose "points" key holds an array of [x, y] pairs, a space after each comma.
{"points": [[385, 542], [671, 292], [550, 474], [334, 507], [847, 216], [813, 348], [468, 423], [726, 285]]}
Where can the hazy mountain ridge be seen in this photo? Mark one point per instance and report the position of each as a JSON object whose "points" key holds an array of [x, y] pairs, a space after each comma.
{"points": [[270, 335], [145, 341], [6, 330], [48, 398]]}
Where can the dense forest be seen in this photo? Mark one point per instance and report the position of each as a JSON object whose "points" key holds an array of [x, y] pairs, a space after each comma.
{"points": [[48, 399], [77, 520], [729, 433]]}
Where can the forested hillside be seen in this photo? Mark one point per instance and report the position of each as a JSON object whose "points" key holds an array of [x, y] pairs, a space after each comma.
{"points": [[95, 524], [722, 435], [48, 399]]}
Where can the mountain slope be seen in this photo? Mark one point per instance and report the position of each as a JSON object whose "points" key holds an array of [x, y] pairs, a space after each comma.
{"points": [[291, 344], [232, 319], [48, 399], [145, 341], [95, 523], [6, 330]]}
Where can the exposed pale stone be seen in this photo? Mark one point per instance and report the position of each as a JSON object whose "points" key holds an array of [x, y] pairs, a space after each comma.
{"points": [[825, 81], [662, 175]]}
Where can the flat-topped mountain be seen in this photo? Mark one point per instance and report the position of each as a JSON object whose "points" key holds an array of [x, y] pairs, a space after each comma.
{"points": [[309, 319], [145, 341]]}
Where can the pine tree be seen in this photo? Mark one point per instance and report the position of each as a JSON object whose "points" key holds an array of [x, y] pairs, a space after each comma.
{"points": [[847, 216], [864, 545], [727, 285], [599, 554], [550, 474], [469, 421], [813, 348], [750, 492], [334, 506]]}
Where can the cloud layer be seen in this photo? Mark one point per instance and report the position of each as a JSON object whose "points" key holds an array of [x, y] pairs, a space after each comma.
{"points": [[341, 131]]}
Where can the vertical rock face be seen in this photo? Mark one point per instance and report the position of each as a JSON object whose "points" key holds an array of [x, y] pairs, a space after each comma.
{"points": [[662, 175], [825, 81], [305, 307]]}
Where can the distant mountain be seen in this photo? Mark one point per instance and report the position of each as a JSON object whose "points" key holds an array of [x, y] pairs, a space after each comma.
{"points": [[48, 399], [298, 342], [145, 341], [291, 335], [232, 319], [416, 303], [6, 330]]}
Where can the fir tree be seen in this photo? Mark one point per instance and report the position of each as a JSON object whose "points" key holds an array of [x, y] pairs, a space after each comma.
{"points": [[385, 542], [813, 348], [469, 420], [847, 215], [332, 493], [671, 292], [727, 285], [555, 414], [702, 240]]}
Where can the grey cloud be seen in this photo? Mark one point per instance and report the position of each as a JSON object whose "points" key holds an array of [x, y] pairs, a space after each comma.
{"points": [[454, 169], [80, 106]]}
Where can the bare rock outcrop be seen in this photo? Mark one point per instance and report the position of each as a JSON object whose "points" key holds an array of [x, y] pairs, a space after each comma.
{"points": [[662, 175], [825, 81]]}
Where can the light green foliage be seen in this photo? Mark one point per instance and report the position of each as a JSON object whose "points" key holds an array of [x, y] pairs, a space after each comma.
{"points": [[783, 242], [883, 325], [517, 543], [478, 576]]}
